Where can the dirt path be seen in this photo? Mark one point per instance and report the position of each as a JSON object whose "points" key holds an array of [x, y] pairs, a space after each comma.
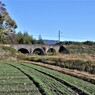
{"points": [[84, 75]]}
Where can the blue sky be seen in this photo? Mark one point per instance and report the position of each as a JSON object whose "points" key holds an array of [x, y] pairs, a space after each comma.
{"points": [[74, 18]]}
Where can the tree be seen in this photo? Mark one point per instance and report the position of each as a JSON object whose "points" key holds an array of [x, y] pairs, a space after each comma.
{"points": [[7, 25], [40, 41], [24, 38], [19, 38], [27, 38]]}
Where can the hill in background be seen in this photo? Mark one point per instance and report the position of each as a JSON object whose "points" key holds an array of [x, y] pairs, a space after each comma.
{"points": [[50, 41]]}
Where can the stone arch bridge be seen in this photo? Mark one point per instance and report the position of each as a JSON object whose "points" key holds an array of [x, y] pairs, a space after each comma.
{"points": [[39, 49]]}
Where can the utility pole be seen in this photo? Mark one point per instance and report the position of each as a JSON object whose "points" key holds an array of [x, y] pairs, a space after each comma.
{"points": [[59, 35]]}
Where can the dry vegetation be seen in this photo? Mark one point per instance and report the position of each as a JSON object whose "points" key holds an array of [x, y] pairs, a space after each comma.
{"points": [[81, 57], [82, 62]]}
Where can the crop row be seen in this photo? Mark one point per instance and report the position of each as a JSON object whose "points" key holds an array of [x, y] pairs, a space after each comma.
{"points": [[49, 85], [78, 83], [14, 82], [49, 82]]}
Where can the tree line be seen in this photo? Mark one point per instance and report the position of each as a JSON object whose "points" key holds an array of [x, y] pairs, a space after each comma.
{"points": [[22, 38]]}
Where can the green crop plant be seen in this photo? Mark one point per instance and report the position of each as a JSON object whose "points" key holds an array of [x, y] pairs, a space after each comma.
{"points": [[78, 83], [14, 82], [50, 85]]}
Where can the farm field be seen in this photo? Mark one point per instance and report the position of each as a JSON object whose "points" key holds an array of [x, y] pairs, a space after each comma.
{"points": [[18, 78], [14, 82]]}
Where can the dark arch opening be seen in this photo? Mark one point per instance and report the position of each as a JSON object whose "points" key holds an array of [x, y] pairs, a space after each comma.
{"points": [[44, 48], [38, 51], [23, 50], [51, 50], [63, 50]]}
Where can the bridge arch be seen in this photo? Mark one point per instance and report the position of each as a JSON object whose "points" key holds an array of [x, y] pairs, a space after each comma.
{"points": [[23, 50], [51, 50], [63, 50], [38, 51]]}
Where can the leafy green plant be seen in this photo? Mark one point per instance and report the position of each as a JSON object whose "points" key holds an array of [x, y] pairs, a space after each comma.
{"points": [[14, 82], [83, 85]]}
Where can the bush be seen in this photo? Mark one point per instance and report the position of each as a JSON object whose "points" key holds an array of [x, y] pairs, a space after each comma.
{"points": [[77, 64], [10, 49], [7, 53]]}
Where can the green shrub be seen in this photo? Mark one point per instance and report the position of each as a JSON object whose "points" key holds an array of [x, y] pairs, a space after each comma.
{"points": [[6, 48]]}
